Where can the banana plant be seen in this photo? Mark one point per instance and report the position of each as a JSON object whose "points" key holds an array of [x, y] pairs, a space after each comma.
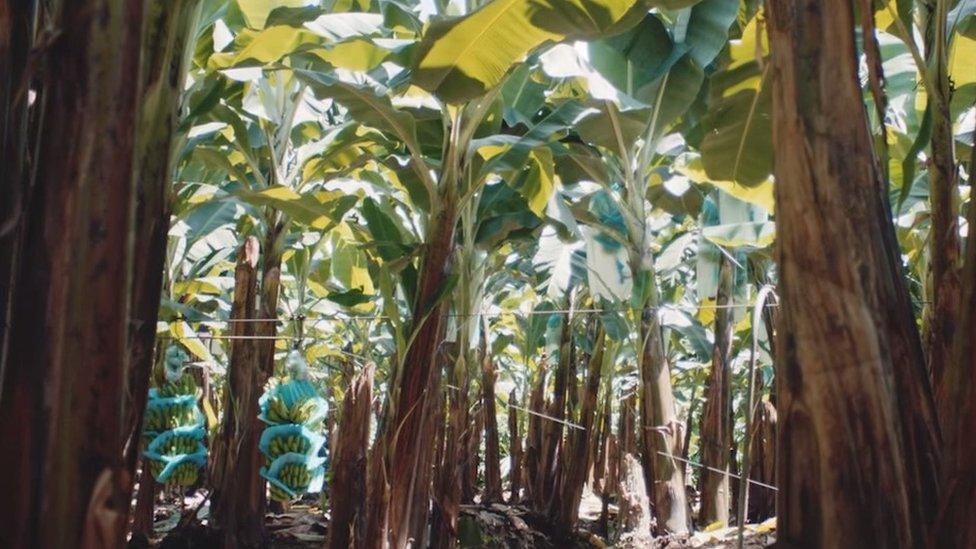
{"points": [[637, 100]]}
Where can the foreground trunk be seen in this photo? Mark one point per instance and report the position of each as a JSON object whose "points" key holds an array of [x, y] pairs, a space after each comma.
{"points": [[944, 247], [659, 433], [716, 426], [956, 527], [69, 314], [167, 27], [16, 41], [858, 441], [348, 491], [237, 500], [410, 426]]}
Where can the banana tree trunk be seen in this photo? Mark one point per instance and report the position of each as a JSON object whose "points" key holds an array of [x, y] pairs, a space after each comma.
{"points": [[447, 492], [237, 500], [552, 431], [409, 452], [514, 451], [142, 515], [167, 29], [269, 292], [16, 41], [69, 314], [762, 468], [565, 508], [347, 527], [533, 439], [469, 481], [716, 427], [955, 527], [660, 434], [944, 245], [493, 471], [858, 438]]}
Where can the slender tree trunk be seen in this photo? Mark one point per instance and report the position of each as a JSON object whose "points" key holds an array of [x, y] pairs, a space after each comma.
{"points": [[565, 507], [416, 382], [716, 426], [533, 439], [944, 246], [16, 40], [268, 301], [601, 445], [515, 458], [142, 516], [493, 471], [447, 496], [469, 480], [167, 26], [762, 455], [552, 431], [858, 440], [68, 316], [955, 526], [347, 527], [660, 433], [237, 501]]}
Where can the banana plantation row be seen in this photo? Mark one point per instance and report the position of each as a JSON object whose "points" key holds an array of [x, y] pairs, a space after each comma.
{"points": [[394, 259]]}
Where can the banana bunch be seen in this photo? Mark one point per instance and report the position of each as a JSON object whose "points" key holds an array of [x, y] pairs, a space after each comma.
{"points": [[185, 474], [185, 385], [181, 445], [304, 411], [296, 476], [278, 494], [278, 411], [283, 445], [169, 415]]}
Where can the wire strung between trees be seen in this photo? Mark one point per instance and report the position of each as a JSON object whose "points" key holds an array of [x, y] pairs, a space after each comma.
{"points": [[733, 475], [490, 314]]}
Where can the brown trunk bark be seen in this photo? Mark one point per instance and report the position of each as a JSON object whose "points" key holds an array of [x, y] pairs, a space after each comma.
{"points": [[69, 316], [472, 462], [514, 451], [660, 433], [955, 526], [716, 425], [408, 452], [762, 457], [493, 471], [601, 445], [267, 307], [16, 40], [347, 528], [237, 501], [858, 440], [142, 516], [944, 246], [447, 492], [625, 427], [533, 439], [552, 431], [167, 27], [565, 506], [377, 493]]}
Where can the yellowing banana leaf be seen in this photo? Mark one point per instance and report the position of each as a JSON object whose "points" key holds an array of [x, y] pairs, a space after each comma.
{"points": [[463, 58]]}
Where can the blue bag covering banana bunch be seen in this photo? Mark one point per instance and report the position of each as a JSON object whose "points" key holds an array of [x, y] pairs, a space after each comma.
{"points": [[291, 445], [174, 426]]}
